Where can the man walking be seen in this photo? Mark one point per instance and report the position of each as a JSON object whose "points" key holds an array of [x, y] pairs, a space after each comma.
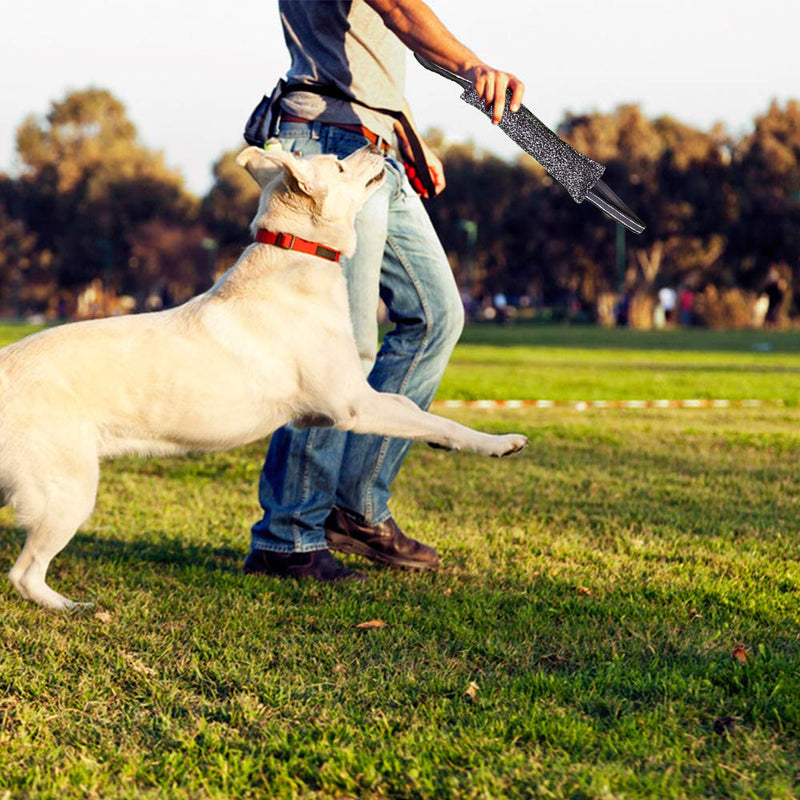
{"points": [[321, 488]]}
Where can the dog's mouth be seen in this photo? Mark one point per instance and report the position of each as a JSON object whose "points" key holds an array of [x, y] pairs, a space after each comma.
{"points": [[376, 178]]}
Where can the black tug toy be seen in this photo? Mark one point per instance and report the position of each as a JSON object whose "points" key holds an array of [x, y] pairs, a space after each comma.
{"points": [[577, 173]]}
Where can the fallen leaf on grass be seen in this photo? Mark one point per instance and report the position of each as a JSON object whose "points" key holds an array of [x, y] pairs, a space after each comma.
{"points": [[585, 591], [740, 654], [102, 616], [373, 623], [472, 691], [137, 665]]}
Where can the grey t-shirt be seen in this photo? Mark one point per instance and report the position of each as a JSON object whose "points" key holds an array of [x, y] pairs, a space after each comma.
{"points": [[343, 43]]}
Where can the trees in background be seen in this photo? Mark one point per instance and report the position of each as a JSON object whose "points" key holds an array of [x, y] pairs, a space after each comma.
{"points": [[229, 207], [766, 171], [93, 207], [87, 190], [720, 213]]}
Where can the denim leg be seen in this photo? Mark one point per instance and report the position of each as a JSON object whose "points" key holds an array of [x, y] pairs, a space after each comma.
{"points": [[421, 295], [295, 487], [298, 481], [398, 255]]}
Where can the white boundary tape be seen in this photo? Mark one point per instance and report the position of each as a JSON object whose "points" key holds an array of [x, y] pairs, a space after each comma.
{"points": [[584, 405]]}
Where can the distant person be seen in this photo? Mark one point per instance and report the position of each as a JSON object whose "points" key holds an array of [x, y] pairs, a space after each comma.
{"points": [[760, 308], [775, 291], [500, 305], [686, 306], [470, 306], [667, 297], [623, 310], [345, 88]]}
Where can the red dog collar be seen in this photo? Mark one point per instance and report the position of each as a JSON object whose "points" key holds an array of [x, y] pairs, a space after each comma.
{"points": [[288, 242]]}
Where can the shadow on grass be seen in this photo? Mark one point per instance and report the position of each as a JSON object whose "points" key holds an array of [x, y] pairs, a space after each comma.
{"points": [[607, 649], [153, 548]]}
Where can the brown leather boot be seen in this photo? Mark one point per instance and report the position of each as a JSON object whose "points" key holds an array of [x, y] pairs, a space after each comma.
{"points": [[318, 565], [384, 543]]}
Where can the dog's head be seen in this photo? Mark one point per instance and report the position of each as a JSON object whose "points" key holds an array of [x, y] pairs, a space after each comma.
{"points": [[316, 197]]}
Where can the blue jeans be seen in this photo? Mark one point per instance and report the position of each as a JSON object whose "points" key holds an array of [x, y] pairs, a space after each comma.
{"points": [[398, 258]]}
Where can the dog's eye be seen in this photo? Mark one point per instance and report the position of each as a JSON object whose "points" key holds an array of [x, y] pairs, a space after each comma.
{"points": [[341, 168]]}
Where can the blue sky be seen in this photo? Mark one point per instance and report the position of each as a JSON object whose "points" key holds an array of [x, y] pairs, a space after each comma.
{"points": [[190, 72]]}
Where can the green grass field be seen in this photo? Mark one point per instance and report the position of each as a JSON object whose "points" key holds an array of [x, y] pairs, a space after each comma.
{"points": [[617, 615]]}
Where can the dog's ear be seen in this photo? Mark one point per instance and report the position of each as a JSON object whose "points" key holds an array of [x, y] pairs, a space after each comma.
{"points": [[263, 165]]}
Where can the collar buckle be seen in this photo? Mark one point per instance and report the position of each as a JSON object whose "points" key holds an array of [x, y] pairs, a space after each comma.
{"points": [[284, 241]]}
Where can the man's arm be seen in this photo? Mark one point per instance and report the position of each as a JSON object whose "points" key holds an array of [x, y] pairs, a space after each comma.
{"points": [[419, 29]]}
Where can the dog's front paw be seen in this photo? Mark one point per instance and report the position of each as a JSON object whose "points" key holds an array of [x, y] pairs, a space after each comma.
{"points": [[509, 444]]}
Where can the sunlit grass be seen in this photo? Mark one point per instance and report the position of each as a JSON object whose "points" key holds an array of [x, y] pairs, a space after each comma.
{"points": [[623, 598]]}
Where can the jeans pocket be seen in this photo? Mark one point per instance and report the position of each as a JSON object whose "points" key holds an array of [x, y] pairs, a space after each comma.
{"points": [[300, 139], [403, 189], [343, 143]]}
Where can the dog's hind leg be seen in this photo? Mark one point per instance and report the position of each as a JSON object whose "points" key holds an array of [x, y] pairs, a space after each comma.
{"points": [[51, 513]]}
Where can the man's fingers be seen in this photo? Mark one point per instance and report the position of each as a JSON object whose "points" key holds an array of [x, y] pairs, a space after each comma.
{"points": [[489, 90], [439, 181], [492, 86], [500, 87], [518, 90], [480, 86], [501, 83]]}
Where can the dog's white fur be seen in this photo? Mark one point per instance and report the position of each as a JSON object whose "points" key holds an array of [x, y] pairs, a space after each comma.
{"points": [[270, 342]]}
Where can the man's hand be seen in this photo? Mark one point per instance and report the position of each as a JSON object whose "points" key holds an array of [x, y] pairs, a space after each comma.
{"points": [[419, 29], [436, 169], [492, 85]]}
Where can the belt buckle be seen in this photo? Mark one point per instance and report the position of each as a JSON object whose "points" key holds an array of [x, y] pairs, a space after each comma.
{"points": [[382, 144]]}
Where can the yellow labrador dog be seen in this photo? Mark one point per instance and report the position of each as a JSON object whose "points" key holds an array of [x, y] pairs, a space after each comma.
{"points": [[270, 342]]}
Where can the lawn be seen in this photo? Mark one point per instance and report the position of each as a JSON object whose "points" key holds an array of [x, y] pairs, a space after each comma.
{"points": [[617, 615]]}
